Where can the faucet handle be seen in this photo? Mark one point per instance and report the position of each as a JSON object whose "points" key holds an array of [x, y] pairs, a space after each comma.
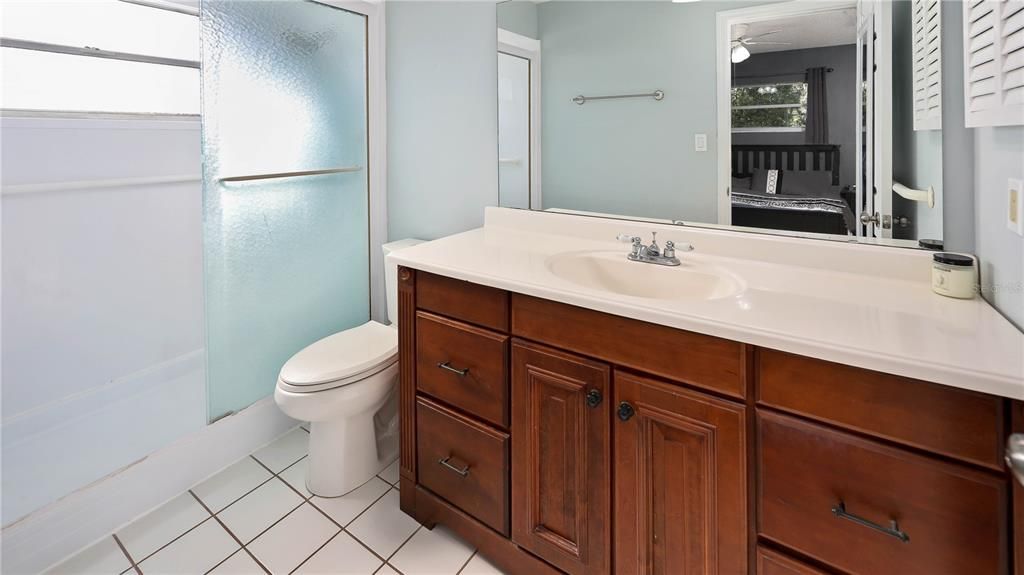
{"points": [[626, 238], [671, 247]]}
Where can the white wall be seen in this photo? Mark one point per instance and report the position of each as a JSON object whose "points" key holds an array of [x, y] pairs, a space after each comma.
{"points": [[102, 302], [442, 116]]}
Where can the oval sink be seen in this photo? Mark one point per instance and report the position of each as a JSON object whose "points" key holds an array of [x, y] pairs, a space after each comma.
{"points": [[612, 272]]}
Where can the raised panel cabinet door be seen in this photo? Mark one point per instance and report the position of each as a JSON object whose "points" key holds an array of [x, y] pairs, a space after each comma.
{"points": [[680, 480], [560, 451]]}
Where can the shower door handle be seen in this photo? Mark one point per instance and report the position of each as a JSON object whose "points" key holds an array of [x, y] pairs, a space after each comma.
{"points": [[280, 175]]}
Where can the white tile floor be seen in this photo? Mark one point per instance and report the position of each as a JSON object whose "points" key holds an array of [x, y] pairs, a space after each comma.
{"points": [[257, 517]]}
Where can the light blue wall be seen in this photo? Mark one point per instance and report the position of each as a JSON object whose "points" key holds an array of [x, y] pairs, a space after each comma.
{"points": [[519, 16], [632, 157], [442, 116], [975, 200], [999, 155]]}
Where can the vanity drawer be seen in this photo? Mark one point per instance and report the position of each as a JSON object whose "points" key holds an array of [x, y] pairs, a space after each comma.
{"points": [[463, 300], [771, 562], [463, 461], [699, 360], [463, 365], [961, 424], [954, 517]]}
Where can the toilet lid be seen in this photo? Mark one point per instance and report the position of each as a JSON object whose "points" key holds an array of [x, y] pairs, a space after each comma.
{"points": [[344, 355]]}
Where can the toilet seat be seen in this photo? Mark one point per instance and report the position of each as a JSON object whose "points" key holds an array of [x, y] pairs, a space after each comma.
{"points": [[340, 359]]}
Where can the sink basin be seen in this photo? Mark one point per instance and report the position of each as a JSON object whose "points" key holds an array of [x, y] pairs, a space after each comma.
{"points": [[612, 272]]}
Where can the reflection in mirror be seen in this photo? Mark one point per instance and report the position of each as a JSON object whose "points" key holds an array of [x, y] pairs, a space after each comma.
{"points": [[828, 114]]}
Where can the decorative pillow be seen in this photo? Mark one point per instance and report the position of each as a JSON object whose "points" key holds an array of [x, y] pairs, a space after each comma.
{"points": [[767, 181], [741, 183], [809, 184]]}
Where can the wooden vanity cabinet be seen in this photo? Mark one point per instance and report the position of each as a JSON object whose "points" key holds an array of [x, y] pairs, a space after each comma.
{"points": [[558, 439], [560, 458], [680, 480]]}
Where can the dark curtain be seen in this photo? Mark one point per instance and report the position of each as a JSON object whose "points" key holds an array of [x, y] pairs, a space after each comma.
{"points": [[816, 131]]}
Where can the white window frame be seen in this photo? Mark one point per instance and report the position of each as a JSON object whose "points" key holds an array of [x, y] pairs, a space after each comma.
{"points": [[766, 129], [179, 6]]}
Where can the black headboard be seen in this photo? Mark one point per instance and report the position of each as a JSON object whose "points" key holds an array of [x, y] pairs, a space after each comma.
{"points": [[803, 157]]}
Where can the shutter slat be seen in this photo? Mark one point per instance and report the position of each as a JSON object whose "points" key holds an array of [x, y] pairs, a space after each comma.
{"points": [[1013, 42], [927, 63]]}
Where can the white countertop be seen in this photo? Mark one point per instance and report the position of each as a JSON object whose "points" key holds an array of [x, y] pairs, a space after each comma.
{"points": [[867, 306]]}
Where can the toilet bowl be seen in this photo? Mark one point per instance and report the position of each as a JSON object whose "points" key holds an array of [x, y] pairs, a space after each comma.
{"points": [[345, 386]]}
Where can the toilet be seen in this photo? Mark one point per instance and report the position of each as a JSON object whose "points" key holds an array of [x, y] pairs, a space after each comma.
{"points": [[345, 386]]}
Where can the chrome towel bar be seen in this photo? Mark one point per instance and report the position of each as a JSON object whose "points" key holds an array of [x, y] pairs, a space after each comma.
{"points": [[280, 175], [657, 95]]}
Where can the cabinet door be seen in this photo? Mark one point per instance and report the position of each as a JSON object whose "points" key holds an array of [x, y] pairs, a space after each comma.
{"points": [[560, 451], [680, 480]]}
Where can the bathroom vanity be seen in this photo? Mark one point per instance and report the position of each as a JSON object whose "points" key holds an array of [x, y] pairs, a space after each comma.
{"points": [[585, 431]]}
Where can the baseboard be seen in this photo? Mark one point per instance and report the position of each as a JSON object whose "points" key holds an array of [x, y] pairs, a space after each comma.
{"points": [[62, 528]]}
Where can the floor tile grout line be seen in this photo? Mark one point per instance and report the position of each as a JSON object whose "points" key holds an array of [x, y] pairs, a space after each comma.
{"points": [[128, 555], [471, 556], [271, 526], [179, 536], [231, 533], [318, 549], [242, 496], [367, 508], [407, 539], [360, 541], [365, 546]]}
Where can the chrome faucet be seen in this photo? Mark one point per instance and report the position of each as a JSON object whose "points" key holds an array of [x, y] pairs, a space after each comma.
{"points": [[653, 254]]}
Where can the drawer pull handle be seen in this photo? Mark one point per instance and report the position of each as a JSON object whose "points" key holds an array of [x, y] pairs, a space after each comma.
{"points": [[444, 462], [448, 365], [893, 530]]}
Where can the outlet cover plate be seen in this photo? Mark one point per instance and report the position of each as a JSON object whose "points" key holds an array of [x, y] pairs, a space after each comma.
{"points": [[1015, 206]]}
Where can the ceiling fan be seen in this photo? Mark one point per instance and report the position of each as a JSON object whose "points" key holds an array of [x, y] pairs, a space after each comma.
{"points": [[739, 50]]}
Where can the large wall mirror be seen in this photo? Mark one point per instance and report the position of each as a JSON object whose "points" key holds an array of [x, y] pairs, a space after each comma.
{"points": [[820, 119]]}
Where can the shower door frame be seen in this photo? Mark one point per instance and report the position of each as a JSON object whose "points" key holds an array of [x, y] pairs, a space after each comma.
{"points": [[376, 143]]}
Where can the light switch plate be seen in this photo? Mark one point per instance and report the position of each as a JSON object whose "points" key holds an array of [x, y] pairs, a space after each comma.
{"points": [[700, 142], [1015, 206]]}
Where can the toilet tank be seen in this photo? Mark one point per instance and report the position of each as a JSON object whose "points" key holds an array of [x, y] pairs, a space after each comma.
{"points": [[391, 275]]}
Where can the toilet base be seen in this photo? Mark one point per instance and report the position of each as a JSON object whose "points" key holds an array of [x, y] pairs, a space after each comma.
{"points": [[329, 474]]}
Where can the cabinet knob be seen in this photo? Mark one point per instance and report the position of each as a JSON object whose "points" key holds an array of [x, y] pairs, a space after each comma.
{"points": [[594, 398], [626, 411]]}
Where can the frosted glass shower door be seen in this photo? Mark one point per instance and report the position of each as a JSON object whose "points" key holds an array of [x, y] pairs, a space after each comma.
{"points": [[285, 187]]}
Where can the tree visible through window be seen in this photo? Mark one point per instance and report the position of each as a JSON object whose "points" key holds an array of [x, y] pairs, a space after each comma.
{"points": [[769, 107]]}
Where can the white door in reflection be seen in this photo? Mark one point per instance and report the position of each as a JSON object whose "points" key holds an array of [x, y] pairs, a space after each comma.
{"points": [[513, 131]]}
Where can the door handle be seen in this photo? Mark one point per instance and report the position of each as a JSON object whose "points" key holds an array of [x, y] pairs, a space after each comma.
{"points": [[867, 218], [594, 398], [1015, 456], [626, 411]]}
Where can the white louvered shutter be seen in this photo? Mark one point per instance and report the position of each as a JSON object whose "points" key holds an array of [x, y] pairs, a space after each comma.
{"points": [[926, 16], [994, 62]]}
